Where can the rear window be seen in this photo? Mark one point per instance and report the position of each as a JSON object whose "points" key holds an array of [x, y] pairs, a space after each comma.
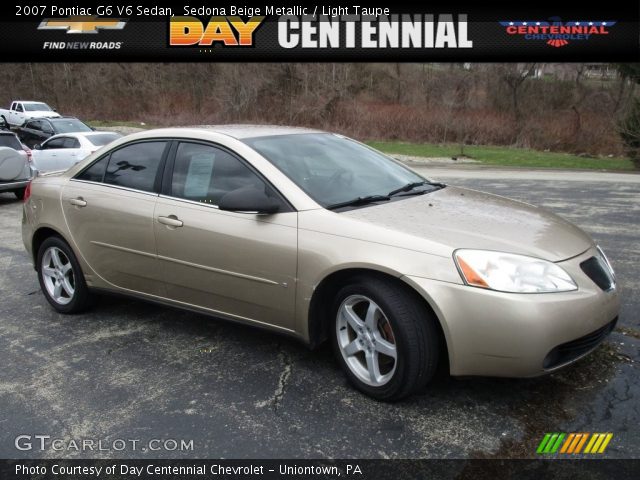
{"points": [[37, 107], [10, 141], [69, 126], [101, 139], [135, 166], [95, 173]]}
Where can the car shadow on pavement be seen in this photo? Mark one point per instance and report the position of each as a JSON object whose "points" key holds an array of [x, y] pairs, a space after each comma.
{"points": [[284, 374]]}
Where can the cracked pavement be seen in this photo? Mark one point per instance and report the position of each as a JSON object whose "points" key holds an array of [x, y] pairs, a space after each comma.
{"points": [[127, 369]]}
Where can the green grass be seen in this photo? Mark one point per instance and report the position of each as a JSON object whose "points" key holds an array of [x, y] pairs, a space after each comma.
{"points": [[506, 156], [116, 123]]}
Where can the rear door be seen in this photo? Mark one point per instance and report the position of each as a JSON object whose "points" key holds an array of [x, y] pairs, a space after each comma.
{"points": [[239, 264], [70, 153], [109, 208]]}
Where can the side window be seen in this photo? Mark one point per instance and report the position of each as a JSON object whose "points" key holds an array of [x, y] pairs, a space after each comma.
{"points": [[70, 142], [55, 143], [204, 173], [95, 173], [34, 125], [135, 166], [19, 108], [46, 126]]}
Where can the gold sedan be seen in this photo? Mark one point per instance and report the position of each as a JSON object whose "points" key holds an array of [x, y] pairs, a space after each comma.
{"points": [[320, 237]]}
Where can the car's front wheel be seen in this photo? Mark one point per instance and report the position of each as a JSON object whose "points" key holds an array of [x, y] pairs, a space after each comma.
{"points": [[385, 338], [61, 278]]}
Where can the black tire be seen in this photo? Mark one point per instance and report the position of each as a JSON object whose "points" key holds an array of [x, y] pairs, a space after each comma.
{"points": [[416, 337], [81, 298], [19, 193]]}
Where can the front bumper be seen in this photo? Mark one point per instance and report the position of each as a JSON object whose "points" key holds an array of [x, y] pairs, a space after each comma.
{"points": [[513, 335]]}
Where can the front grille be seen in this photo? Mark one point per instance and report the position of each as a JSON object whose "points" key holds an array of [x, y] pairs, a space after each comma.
{"points": [[597, 271], [569, 351]]}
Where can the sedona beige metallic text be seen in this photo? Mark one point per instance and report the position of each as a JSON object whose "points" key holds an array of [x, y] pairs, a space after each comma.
{"points": [[320, 237]]}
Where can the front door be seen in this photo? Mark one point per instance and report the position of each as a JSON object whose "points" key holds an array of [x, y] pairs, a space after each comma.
{"points": [[239, 264]]}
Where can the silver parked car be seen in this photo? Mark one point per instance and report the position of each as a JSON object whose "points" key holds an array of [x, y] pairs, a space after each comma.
{"points": [[320, 237], [15, 164]]}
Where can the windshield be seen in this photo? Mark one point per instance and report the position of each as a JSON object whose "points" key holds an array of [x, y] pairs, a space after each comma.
{"points": [[10, 141], [100, 139], [69, 126], [37, 107], [332, 169]]}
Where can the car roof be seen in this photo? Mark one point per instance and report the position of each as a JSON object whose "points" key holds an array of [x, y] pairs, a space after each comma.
{"points": [[62, 118], [249, 131], [83, 134], [28, 101], [7, 132]]}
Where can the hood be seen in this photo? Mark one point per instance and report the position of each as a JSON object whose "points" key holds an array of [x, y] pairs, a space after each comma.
{"points": [[462, 218]]}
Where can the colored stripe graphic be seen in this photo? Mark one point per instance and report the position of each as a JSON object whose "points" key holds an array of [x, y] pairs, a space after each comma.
{"points": [[550, 443], [603, 447], [573, 443]]}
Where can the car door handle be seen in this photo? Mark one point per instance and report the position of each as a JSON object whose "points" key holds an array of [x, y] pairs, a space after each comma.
{"points": [[78, 202], [171, 221]]}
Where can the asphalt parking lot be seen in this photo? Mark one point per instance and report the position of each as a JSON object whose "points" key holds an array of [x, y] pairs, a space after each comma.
{"points": [[131, 370]]}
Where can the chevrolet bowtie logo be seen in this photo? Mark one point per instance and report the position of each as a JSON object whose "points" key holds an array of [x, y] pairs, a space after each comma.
{"points": [[83, 24]]}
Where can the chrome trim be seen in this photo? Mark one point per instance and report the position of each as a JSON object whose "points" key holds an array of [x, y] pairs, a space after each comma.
{"points": [[123, 249], [188, 264], [218, 270], [193, 202], [132, 190]]}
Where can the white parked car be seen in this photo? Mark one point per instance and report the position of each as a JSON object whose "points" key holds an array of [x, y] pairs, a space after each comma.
{"points": [[62, 151], [22, 110]]}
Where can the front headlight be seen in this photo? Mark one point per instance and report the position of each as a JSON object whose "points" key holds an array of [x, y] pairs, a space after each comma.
{"points": [[506, 272]]}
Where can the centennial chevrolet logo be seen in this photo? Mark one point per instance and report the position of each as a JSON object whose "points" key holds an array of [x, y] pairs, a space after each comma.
{"points": [[82, 24], [557, 33]]}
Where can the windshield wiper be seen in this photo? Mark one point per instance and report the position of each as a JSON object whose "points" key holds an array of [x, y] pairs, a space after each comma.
{"points": [[359, 201], [410, 186]]}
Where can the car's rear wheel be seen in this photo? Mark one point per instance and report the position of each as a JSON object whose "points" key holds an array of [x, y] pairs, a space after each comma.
{"points": [[19, 193], [61, 278], [385, 339]]}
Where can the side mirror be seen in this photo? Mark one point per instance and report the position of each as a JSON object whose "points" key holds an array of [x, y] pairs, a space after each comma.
{"points": [[37, 146], [248, 200]]}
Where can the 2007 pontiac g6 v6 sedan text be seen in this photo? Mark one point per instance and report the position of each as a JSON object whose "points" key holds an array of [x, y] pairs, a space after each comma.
{"points": [[319, 236]]}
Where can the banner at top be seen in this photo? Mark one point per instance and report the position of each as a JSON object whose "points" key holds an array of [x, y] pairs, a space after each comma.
{"points": [[317, 32]]}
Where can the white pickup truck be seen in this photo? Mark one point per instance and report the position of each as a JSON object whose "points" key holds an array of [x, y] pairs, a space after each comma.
{"points": [[22, 110]]}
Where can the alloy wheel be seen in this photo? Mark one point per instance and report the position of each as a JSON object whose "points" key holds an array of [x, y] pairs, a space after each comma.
{"points": [[57, 274], [366, 340]]}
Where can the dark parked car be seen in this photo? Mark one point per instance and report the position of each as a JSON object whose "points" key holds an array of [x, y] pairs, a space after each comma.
{"points": [[37, 130]]}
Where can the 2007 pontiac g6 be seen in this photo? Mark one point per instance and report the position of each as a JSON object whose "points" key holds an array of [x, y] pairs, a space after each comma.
{"points": [[318, 236]]}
